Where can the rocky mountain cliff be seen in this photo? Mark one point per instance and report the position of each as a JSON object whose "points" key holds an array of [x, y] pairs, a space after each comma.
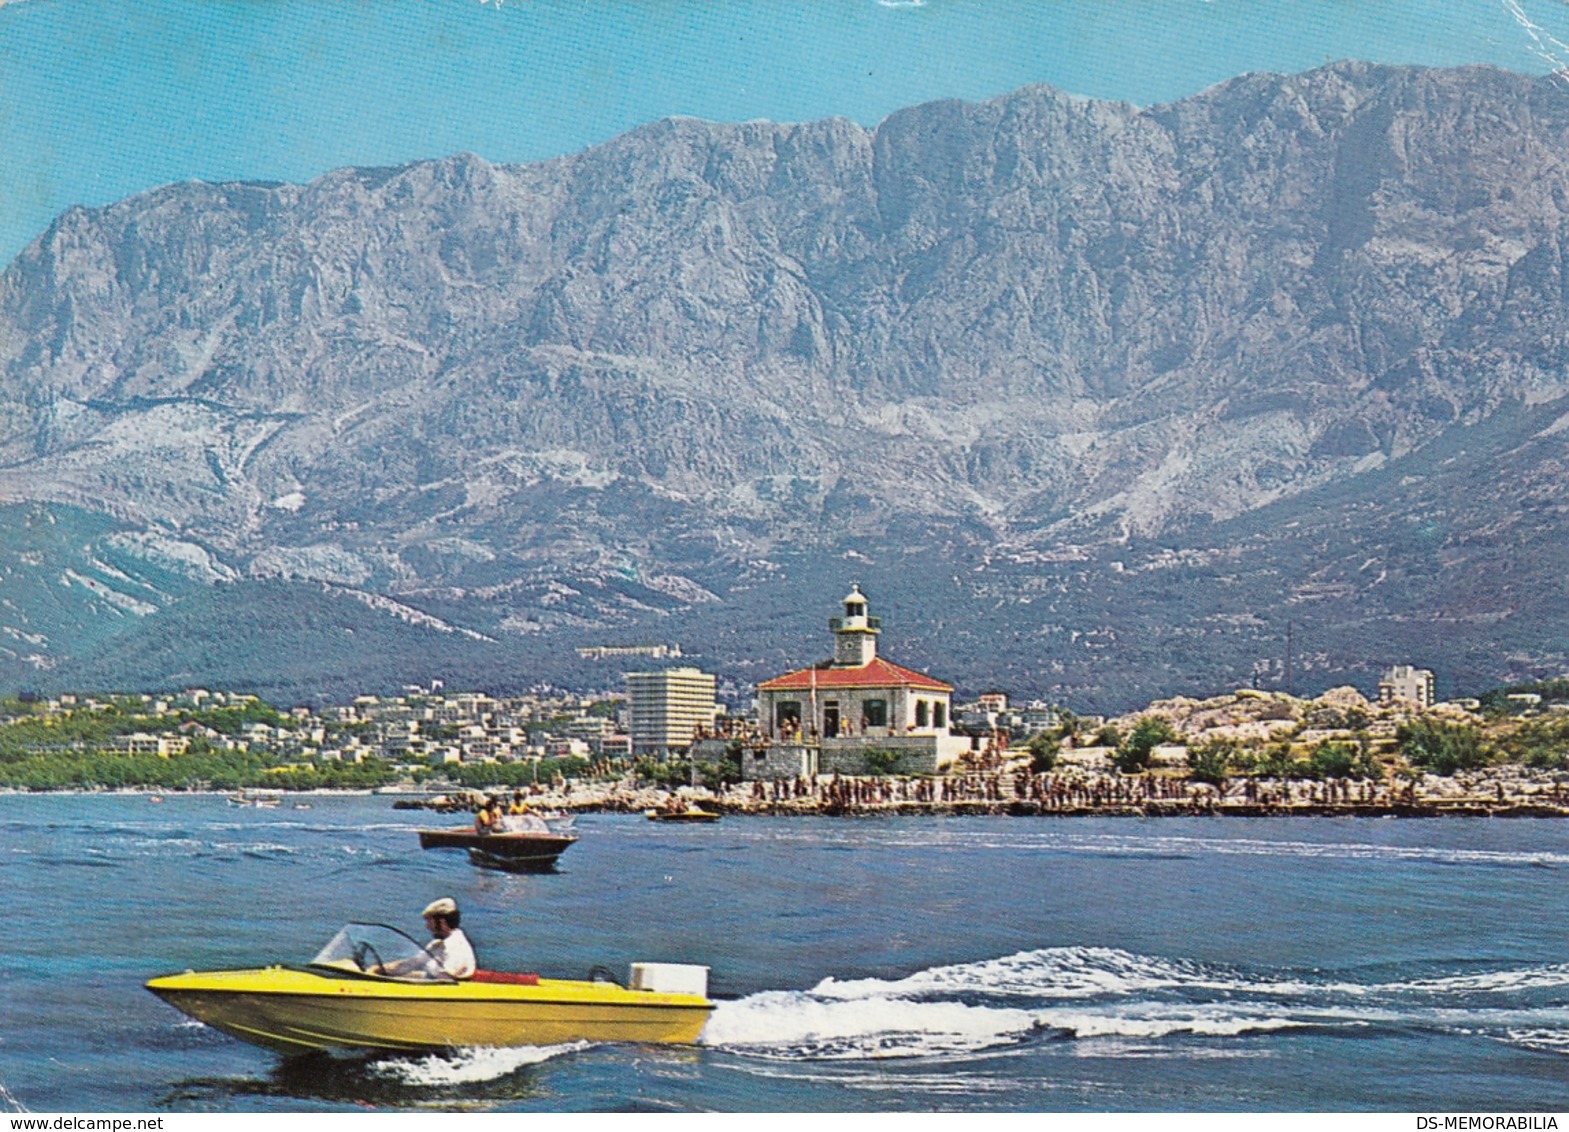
{"points": [[1093, 399]]}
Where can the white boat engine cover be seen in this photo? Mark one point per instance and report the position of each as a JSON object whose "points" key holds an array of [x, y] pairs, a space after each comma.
{"points": [[670, 978]]}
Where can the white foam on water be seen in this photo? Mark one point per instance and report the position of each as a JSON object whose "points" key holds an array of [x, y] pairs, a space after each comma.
{"points": [[1090, 972], [886, 1079], [1052, 972], [790, 1024], [1258, 847], [8, 1099], [1540, 1040], [1136, 1049], [967, 1008], [1492, 982], [1220, 1021], [1124, 845], [469, 1066]]}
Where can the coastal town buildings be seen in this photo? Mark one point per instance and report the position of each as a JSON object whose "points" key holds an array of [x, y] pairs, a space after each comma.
{"points": [[668, 708], [1403, 683], [853, 711], [141, 743]]}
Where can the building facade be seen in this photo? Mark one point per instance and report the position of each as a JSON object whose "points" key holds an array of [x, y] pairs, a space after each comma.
{"points": [[841, 715], [1406, 684], [668, 707]]}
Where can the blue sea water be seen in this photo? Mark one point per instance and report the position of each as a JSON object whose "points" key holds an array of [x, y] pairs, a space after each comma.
{"points": [[977, 964]]}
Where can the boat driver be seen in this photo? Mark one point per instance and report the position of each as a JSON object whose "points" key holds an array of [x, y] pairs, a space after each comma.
{"points": [[449, 947]]}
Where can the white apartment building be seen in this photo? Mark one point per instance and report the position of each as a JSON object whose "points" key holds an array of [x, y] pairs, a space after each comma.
{"points": [[1407, 684], [668, 707]]}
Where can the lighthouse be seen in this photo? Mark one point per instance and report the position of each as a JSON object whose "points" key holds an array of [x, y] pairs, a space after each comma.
{"points": [[855, 634], [830, 716]]}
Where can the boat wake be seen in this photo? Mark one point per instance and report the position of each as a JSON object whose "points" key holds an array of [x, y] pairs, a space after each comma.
{"points": [[1116, 1003], [9, 1103], [481, 1078], [467, 1066]]}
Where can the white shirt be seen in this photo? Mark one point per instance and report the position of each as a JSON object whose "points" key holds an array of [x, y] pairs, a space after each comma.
{"points": [[455, 954]]}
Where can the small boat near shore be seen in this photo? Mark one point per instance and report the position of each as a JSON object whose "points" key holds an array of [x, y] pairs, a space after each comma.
{"points": [[259, 801], [345, 999], [525, 852]]}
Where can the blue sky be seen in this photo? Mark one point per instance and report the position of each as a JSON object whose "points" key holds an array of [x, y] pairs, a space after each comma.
{"points": [[100, 99]]}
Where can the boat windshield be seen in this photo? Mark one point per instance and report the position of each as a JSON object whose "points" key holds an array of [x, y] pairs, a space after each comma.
{"points": [[376, 949]]}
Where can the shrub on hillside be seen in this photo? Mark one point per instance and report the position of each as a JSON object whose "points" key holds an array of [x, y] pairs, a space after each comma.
{"points": [[1043, 749], [1441, 748], [1133, 755], [1212, 761]]}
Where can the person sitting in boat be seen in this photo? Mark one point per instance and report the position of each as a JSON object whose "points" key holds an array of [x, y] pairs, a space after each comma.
{"points": [[449, 947], [521, 818], [487, 818]]}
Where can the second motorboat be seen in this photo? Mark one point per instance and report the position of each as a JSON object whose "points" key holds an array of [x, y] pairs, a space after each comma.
{"points": [[521, 852], [521, 842]]}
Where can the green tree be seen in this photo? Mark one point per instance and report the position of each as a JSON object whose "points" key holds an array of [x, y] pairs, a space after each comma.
{"points": [[1212, 762], [1441, 748], [717, 775], [478, 776], [1333, 760], [1539, 743], [1276, 762], [1044, 748], [669, 773], [1133, 755]]}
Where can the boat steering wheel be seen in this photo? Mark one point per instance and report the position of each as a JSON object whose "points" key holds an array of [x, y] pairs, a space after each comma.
{"points": [[363, 951]]}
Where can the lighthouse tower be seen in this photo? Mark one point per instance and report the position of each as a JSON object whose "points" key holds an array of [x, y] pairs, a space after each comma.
{"points": [[855, 634]]}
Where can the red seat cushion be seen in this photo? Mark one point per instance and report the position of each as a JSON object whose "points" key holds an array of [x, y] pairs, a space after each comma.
{"points": [[504, 977]]}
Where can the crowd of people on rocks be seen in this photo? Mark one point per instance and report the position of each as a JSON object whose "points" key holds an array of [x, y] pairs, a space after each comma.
{"points": [[1014, 789], [1076, 792], [1059, 793]]}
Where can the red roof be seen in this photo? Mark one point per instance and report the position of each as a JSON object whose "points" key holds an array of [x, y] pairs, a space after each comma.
{"points": [[878, 674]]}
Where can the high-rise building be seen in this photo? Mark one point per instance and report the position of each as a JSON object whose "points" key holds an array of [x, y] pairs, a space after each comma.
{"points": [[667, 708]]}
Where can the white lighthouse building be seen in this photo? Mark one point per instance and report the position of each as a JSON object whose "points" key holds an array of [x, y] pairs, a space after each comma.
{"points": [[829, 716]]}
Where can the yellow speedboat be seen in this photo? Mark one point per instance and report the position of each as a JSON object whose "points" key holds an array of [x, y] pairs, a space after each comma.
{"points": [[373, 989]]}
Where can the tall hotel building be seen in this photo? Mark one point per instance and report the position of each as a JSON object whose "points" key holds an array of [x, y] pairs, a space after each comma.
{"points": [[667, 708]]}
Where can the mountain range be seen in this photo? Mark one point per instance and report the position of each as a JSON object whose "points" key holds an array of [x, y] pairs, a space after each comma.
{"points": [[1097, 402]]}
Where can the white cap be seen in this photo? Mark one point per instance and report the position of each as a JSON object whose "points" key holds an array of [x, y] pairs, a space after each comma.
{"points": [[446, 906]]}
